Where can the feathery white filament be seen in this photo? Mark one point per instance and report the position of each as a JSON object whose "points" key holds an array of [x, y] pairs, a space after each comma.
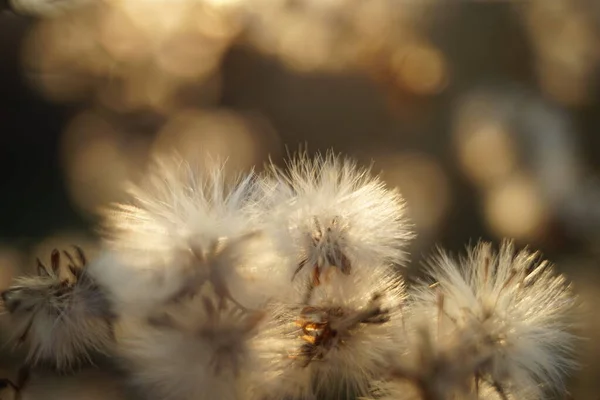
{"points": [[195, 349], [61, 315], [338, 342], [182, 227], [328, 212], [513, 306]]}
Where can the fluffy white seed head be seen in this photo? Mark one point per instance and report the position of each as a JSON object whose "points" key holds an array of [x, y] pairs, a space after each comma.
{"points": [[62, 316], [328, 212], [513, 307], [338, 341], [438, 362], [195, 349], [183, 226], [176, 207]]}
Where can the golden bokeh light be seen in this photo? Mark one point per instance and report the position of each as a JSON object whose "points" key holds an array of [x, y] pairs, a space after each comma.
{"points": [[306, 46], [341, 35], [139, 52], [516, 209], [61, 58], [138, 55], [484, 136], [98, 161], [420, 68], [372, 19], [121, 38], [224, 3], [423, 184], [147, 88], [199, 136], [566, 44], [487, 154], [189, 55]]}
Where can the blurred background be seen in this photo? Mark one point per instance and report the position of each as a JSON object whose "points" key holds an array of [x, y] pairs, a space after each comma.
{"points": [[483, 113]]}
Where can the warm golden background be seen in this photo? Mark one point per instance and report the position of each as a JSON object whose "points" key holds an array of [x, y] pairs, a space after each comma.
{"points": [[484, 114]]}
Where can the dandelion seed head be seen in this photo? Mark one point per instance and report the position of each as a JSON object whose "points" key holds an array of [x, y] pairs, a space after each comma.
{"points": [[328, 212], [194, 349], [438, 361], [516, 305], [337, 342], [61, 316], [182, 227], [176, 207]]}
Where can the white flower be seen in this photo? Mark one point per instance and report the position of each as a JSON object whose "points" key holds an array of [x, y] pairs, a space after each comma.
{"points": [[327, 212], [194, 349], [185, 226], [511, 309], [439, 362], [336, 344], [61, 315]]}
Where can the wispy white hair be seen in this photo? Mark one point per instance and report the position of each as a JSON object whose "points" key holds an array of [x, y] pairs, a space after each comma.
{"points": [[327, 210], [61, 315], [193, 350], [180, 219], [439, 361], [517, 308], [335, 345]]}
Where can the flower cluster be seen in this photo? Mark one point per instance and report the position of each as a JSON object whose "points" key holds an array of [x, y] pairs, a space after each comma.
{"points": [[286, 285]]}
